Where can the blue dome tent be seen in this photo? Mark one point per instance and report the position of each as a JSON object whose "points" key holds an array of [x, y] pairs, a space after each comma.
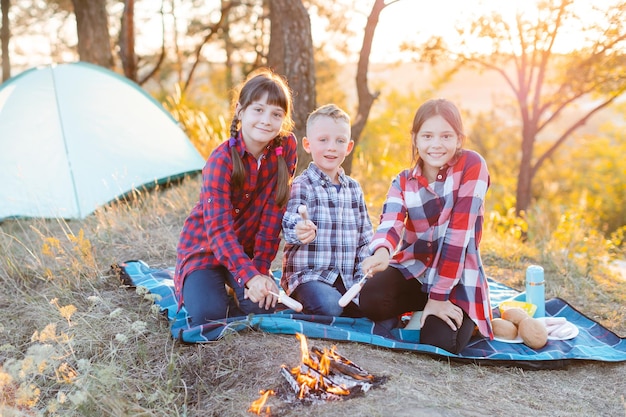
{"points": [[74, 137]]}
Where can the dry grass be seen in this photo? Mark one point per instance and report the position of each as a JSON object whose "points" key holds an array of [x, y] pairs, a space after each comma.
{"points": [[74, 343]]}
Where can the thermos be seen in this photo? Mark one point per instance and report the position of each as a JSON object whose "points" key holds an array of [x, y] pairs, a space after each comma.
{"points": [[536, 289]]}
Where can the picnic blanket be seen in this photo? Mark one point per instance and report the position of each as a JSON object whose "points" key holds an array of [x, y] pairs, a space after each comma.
{"points": [[593, 343]]}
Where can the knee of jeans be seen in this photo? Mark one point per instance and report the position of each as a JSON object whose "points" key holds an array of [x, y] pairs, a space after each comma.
{"points": [[200, 315], [322, 308], [436, 332], [249, 307], [334, 310], [372, 309]]}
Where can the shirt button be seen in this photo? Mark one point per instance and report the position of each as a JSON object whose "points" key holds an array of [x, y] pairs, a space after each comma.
{"points": [[439, 176], [428, 259], [209, 200], [247, 195], [236, 210], [429, 244]]}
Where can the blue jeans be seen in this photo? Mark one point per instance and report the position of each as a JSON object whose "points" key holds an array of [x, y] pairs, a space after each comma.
{"points": [[321, 298], [206, 299]]}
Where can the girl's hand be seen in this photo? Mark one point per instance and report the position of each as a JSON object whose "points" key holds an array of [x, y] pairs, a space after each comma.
{"points": [[306, 231], [379, 261], [446, 311], [259, 290]]}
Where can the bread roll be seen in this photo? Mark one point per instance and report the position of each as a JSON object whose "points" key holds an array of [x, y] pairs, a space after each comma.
{"points": [[515, 315], [533, 333], [504, 329]]}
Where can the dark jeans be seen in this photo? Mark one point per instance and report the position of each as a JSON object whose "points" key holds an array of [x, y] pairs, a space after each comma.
{"points": [[388, 294], [205, 297], [321, 298]]}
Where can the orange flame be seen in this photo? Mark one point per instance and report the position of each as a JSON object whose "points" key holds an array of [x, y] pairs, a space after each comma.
{"points": [[308, 381], [311, 376], [257, 405]]}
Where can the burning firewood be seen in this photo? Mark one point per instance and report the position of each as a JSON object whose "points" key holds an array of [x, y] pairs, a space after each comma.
{"points": [[309, 385], [324, 375], [327, 375], [342, 365]]}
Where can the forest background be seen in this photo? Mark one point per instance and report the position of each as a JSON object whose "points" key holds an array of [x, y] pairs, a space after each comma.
{"points": [[546, 113]]}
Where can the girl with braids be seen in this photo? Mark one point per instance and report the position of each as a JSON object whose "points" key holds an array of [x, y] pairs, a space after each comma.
{"points": [[232, 234]]}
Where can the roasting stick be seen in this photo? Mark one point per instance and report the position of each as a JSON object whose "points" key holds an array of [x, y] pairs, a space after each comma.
{"points": [[288, 301], [353, 291], [284, 298]]}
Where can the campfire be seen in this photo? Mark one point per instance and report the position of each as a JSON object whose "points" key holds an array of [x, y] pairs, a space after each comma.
{"points": [[322, 375]]}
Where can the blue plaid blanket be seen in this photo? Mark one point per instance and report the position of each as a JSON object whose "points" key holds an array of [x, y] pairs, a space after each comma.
{"points": [[594, 342]]}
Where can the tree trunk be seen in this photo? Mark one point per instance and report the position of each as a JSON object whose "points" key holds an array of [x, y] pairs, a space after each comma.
{"points": [[291, 55], [5, 37], [366, 99], [525, 175], [127, 41], [546, 84], [94, 41], [211, 31], [229, 49]]}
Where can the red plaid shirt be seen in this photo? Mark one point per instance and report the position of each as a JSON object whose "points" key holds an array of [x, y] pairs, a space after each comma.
{"points": [[436, 230], [238, 229]]}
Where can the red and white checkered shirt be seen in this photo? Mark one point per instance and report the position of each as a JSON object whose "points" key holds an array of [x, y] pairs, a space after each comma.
{"points": [[434, 231]]}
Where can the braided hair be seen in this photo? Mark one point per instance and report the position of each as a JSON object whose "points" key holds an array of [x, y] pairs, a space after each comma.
{"points": [[256, 85]]}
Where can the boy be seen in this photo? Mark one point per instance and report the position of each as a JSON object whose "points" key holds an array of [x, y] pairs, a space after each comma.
{"points": [[323, 254]]}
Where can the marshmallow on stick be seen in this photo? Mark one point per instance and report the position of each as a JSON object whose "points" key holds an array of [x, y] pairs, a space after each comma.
{"points": [[303, 212], [288, 301], [353, 291]]}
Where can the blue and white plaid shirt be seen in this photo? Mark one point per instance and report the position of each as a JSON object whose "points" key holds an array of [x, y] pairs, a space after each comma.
{"points": [[344, 231]]}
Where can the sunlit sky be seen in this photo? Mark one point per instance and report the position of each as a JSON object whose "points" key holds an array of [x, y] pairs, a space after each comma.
{"points": [[417, 20], [411, 21]]}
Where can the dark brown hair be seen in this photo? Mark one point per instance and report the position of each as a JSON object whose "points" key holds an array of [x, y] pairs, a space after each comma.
{"points": [[434, 107], [257, 84]]}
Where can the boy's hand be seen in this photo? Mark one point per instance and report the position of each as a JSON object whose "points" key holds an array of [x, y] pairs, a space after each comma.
{"points": [[306, 231]]}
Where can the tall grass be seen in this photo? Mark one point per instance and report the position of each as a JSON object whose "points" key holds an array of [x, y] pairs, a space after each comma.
{"points": [[71, 335]]}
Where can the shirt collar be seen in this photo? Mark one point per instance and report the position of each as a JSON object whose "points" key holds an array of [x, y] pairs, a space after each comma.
{"points": [[240, 145], [318, 175], [417, 171]]}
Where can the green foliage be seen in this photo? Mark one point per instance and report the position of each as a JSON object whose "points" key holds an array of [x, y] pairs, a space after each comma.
{"points": [[574, 242], [385, 147], [328, 86], [596, 178], [617, 243], [205, 133], [496, 138]]}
